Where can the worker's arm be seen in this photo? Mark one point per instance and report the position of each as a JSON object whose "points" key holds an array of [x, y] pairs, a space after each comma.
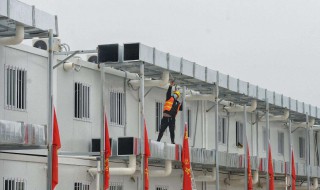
{"points": [[169, 93], [181, 106]]}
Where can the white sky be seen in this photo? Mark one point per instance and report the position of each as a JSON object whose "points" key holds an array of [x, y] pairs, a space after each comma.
{"points": [[272, 43]]}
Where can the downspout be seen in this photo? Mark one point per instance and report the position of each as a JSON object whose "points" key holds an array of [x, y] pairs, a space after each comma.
{"points": [[283, 117], [149, 83], [14, 40], [238, 108], [162, 173], [94, 174], [118, 171]]}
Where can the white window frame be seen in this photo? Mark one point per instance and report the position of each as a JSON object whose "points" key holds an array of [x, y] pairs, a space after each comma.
{"points": [[281, 142], [302, 148], [116, 186], [81, 185], [158, 115], [117, 108], [15, 92], [82, 101], [222, 130], [162, 187], [15, 181], [239, 135]]}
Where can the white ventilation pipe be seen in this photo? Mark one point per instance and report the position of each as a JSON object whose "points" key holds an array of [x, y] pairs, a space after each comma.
{"points": [[14, 40], [277, 184], [162, 173], [119, 171], [67, 66], [238, 108], [314, 185], [119, 73], [150, 83], [195, 97], [304, 124], [283, 117], [207, 178], [255, 179]]}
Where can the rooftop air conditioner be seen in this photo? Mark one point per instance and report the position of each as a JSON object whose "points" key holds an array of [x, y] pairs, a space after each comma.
{"points": [[93, 58], [43, 43]]}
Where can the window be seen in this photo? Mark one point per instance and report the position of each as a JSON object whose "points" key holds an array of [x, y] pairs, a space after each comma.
{"points": [[189, 122], [265, 136], [15, 88], [81, 186], [302, 145], [161, 187], [222, 130], [159, 107], [14, 184], [281, 143], [116, 186], [117, 112], [239, 134], [81, 101]]}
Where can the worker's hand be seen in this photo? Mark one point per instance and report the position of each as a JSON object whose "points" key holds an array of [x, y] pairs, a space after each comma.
{"points": [[171, 83]]}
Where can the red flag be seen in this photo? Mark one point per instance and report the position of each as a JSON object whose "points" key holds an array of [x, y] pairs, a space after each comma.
{"points": [[185, 159], [293, 173], [270, 170], [107, 153], [249, 169], [56, 145], [147, 155]]}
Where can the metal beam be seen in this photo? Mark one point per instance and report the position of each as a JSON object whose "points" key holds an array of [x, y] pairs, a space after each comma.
{"points": [[216, 91], [245, 146], [102, 146], [66, 59], [78, 52], [307, 146], [142, 185]]}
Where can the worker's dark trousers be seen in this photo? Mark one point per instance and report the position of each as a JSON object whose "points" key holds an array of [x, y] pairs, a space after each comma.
{"points": [[165, 122]]}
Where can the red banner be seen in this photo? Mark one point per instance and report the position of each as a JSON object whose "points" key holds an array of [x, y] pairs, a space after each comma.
{"points": [[107, 153], [293, 173], [185, 159], [147, 155], [56, 145], [270, 170], [250, 187]]}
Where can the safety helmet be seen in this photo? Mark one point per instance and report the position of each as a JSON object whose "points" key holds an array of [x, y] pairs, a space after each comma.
{"points": [[177, 92]]}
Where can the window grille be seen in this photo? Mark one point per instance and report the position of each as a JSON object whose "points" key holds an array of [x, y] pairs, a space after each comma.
{"points": [[189, 122], [302, 145], [15, 88], [239, 134], [159, 114], [265, 140], [160, 187], [116, 186], [81, 186], [281, 143], [14, 184], [117, 111], [81, 101], [222, 130]]}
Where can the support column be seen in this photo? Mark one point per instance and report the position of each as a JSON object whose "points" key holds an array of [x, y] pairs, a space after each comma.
{"points": [[257, 134], [307, 145], [184, 110], [245, 144], [142, 123], [290, 157], [50, 118], [267, 145], [102, 145], [216, 92]]}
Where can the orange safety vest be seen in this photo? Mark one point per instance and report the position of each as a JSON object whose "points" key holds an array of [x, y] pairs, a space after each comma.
{"points": [[168, 105]]}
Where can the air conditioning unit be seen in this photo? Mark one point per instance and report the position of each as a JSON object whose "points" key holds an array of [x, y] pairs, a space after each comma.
{"points": [[93, 58], [43, 43]]}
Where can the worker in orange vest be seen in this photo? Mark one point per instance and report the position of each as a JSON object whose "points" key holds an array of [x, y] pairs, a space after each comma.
{"points": [[170, 110]]}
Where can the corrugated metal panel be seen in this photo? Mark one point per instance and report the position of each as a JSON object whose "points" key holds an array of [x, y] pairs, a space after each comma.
{"points": [[187, 68], [306, 108], [261, 93], [252, 91], [278, 99], [3, 8], [270, 97], [172, 152], [243, 87], [160, 59], [232, 84], [21, 12], [11, 132], [293, 104], [313, 111], [146, 53], [223, 158], [314, 171], [233, 160], [300, 107], [200, 72], [157, 149], [285, 102], [211, 76], [223, 80], [44, 20], [254, 162], [318, 112], [209, 156], [197, 155], [174, 63]]}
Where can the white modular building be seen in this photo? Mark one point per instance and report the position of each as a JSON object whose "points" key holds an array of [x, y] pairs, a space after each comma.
{"points": [[222, 112]]}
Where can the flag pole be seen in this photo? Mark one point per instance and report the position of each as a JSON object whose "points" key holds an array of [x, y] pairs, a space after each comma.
{"points": [[245, 144], [50, 118], [102, 145], [290, 155], [142, 184], [267, 144], [216, 93]]}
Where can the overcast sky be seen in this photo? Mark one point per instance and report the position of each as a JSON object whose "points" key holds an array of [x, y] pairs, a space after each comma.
{"points": [[271, 43]]}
